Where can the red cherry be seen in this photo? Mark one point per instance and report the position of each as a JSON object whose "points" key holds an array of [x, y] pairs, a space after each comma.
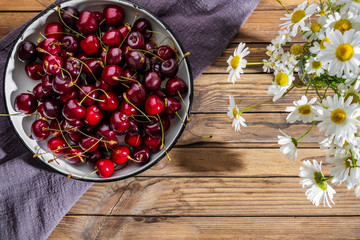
{"points": [[120, 154], [69, 95], [94, 157], [136, 94], [112, 38], [152, 81], [119, 121], [154, 105], [40, 130], [105, 167], [87, 22], [153, 143], [55, 30], [73, 110], [50, 45], [52, 108], [25, 103], [128, 109], [124, 30], [114, 15], [90, 45], [93, 115], [110, 72], [52, 64], [133, 141], [56, 145], [34, 71], [39, 94], [89, 144], [113, 56], [175, 85], [40, 111], [141, 155], [74, 154], [109, 101], [172, 107], [165, 52], [84, 93], [55, 128], [110, 137]]}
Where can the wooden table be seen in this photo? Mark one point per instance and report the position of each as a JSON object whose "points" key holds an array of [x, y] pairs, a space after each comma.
{"points": [[233, 186]]}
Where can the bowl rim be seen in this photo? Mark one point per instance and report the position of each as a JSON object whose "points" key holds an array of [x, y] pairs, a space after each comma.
{"points": [[160, 157]]}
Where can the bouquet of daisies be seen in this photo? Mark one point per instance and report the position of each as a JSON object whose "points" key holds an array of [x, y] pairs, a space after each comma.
{"points": [[329, 62]]}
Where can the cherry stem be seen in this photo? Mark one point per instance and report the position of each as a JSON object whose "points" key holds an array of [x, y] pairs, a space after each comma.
{"points": [[74, 58], [131, 159], [17, 114], [165, 37], [177, 114], [104, 141], [145, 51], [127, 100], [71, 176], [63, 22], [125, 78], [163, 138], [187, 116], [129, 29], [185, 55], [87, 95]]}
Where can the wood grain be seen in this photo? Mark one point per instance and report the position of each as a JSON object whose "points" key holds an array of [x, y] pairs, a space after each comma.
{"points": [[137, 227]]}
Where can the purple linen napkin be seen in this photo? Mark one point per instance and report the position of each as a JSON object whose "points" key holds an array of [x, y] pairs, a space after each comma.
{"points": [[33, 199]]}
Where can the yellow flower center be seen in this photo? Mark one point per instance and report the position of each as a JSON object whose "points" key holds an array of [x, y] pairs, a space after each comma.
{"points": [[338, 116], [297, 16], [315, 27], [344, 52], [322, 43], [234, 63], [356, 0], [296, 49], [316, 64], [282, 79], [322, 12], [355, 99], [343, 25], [235, 113], [304, 109]]}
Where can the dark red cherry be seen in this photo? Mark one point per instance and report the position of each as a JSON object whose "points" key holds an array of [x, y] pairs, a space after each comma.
{"points": [[104, 167], [40, 111], [27, 52], [153, 143], [169, 68], [56, 145], [92, 68], [74, 155], [175, 86], [135, 40], [120, 154], [124, 30], [154, 105], [94, 157], [90, 45], [150, 47], [108, 101], [160, 92], [87, 94], [52, 64], [26, 103], [100, 18], [73, 110], [172, 107], [69, 95], [136, 61], [70, 43], [133, 141], [112, 38], [152, 128], [34, 71], [72, 128], [110, 73], [136, 94], [114, 15], [62, 84], [55, 128], [49, 46], [132, 76], [55, 30], [135, 128], [46, 84], [113, 56], [119, 121], [152, 81], [110, 137], [93, 115], [128, 109], [52, 109], [87, 22], [165, 122], [89, 143], [40, 130], [143, 25], [73, 66], [141, 155], [39, 94], [68, 16], [165, 52]]}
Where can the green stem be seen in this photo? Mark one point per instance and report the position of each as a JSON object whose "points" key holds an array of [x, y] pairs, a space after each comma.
{"points": [[328, 178], [283, 6], [257, 63], [312, 126], [255, 105]]}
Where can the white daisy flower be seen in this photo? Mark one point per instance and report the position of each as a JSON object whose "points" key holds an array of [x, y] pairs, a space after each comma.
{"points": [[285, 35], [288, 146], [314, 66], [297, 18], [322, 12], [303, 111], [289, 60], [323, 37], [318, 190], [233, 113], [266, 66], [342, 53], [312, 33], [281, 83], [341, 167], [352, 6], [237, 62], [337, 118], [343, 22]]}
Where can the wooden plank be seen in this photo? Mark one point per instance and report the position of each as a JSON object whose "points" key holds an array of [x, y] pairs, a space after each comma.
{"points": [[206, 196], [38, 5], [262, 129], [211, 93], [118, 227]]}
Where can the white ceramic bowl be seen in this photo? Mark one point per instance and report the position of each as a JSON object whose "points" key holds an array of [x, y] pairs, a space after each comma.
{"points": [[16, 82]]}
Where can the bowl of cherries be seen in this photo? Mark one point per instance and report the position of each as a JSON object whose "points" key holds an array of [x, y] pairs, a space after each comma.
{"points": [[98, 90]]}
